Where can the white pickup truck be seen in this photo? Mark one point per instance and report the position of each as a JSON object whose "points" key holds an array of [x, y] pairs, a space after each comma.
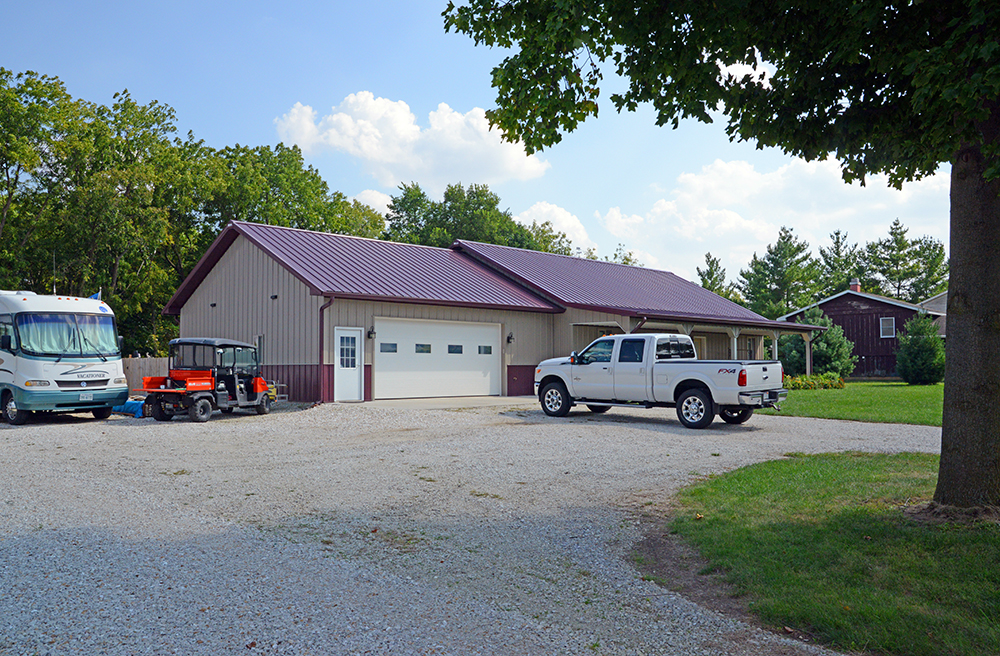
{"points": [[658, 370]]}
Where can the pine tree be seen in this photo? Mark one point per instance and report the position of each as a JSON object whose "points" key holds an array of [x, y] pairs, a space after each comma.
{"points": [[920, 356]]}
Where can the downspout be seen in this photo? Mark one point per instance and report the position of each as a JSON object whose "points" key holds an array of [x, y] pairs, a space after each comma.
{"points": [[322, 345]]}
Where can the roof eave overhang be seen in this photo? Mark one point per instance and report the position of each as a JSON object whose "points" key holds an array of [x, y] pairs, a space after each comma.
{"points": [[713, 320]]}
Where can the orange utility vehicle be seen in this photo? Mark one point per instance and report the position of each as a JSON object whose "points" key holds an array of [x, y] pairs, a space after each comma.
{"points": [[207, 374]]}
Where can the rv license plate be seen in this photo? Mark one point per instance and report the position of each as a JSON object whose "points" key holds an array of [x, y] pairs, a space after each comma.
{"points": [[89, 396]]}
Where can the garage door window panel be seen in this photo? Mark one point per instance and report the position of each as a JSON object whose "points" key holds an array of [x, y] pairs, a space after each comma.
{"points": [[386, 347], [422, 348], [455, 349]]}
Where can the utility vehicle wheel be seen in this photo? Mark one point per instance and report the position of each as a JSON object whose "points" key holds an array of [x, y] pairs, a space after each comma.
{"points": [[694, 408], [10, 412], [555, 400], [201, 410], [735, 416], [159, 414], [101, 413], [264, 406], [598, 409]]}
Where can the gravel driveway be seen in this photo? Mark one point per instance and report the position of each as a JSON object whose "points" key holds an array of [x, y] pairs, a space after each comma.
{"points": [[355, 529]]}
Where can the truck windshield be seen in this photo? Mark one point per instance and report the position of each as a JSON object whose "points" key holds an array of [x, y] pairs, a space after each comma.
{"points": [[67, 335]]}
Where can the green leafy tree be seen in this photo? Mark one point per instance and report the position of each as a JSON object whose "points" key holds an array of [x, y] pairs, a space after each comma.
{"points": [[713, 278], [471, 213], [908, 269], [831, 350], [783, 280], [885, 87], [920, 356], [621, 256]]}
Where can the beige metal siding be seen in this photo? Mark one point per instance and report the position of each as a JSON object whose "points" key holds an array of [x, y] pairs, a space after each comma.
{"points": [[532, 331], [570, 336], [241, 286]]}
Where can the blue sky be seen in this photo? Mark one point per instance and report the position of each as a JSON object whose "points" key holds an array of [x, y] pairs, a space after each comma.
{"points": [[377, 94]]}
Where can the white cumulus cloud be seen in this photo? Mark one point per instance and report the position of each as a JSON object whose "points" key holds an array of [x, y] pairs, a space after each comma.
{"points": [[733, 211], [375, 200], [384, 134], [562, 220]]}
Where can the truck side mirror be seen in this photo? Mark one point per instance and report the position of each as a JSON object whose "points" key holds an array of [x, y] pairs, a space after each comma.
{"points": [[5, 342], [573, 357], [121, 343]]}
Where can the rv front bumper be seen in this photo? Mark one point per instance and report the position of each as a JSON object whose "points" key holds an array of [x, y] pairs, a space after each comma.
{"points": [[66, 401]]}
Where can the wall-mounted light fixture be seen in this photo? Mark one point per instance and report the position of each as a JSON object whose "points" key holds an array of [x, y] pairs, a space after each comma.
{"points": [[371, 333], [274, 297], [510, 338], [212, 304]]}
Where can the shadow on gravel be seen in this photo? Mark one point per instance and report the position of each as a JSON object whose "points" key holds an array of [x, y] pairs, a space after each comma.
{"points": [[657, 420]]}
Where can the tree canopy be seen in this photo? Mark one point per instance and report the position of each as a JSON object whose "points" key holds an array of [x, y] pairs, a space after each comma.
{"points": [[882, 86], [108, 198], [471, 213]]}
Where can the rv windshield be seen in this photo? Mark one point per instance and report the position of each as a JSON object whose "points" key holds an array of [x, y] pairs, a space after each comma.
{"points": [[67, 335]]}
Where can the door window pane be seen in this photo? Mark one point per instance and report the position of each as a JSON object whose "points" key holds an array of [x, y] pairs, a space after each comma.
{"points": [[348, 352]]}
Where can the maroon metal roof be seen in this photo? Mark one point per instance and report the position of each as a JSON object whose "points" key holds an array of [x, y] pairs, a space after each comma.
{"points": [[610, 287], [355, 267]]}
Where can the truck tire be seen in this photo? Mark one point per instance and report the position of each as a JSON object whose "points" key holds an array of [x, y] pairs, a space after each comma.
{"points": [[11, 414], [264, 406], [101, 413], [694, 408], [734, 416], [555, 400], [200, 410], [598, 409]]}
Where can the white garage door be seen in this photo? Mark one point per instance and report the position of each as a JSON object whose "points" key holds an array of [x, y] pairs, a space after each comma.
{"points": [[418, 359]]}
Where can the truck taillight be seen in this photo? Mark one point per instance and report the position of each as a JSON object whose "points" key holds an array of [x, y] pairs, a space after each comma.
{"points": [[743, 378]]}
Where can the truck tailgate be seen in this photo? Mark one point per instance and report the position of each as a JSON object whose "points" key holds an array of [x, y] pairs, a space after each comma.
{"points": [[763, 374]]}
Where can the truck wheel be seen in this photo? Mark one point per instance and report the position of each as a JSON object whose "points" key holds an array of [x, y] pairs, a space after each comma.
{"points": [[201, 410], [598, 409], [731, 416], [11, 414], [694, 408], [555, 400], [264, 406], [101, 413]]}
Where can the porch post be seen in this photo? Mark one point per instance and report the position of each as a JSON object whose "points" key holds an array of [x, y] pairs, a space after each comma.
{"points": [[774, 344], [734, 333], [809, 352]]}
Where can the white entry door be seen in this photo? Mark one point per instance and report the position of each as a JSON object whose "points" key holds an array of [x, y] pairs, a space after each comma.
{"points": [[416, 358], [348, 377]]}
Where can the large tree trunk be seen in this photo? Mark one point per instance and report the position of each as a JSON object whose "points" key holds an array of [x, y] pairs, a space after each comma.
{"points": [[970, 436]]}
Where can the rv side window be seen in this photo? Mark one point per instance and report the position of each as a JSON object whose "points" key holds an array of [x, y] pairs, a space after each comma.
{"points": [[7, 328]]}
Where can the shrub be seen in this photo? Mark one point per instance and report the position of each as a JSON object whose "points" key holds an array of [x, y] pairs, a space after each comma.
{"points": [[920, 356], [828, 380], [831, 351]]}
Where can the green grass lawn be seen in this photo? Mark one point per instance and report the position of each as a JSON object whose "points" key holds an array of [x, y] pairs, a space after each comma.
{"points": [[896, 403], [820, 544]]}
